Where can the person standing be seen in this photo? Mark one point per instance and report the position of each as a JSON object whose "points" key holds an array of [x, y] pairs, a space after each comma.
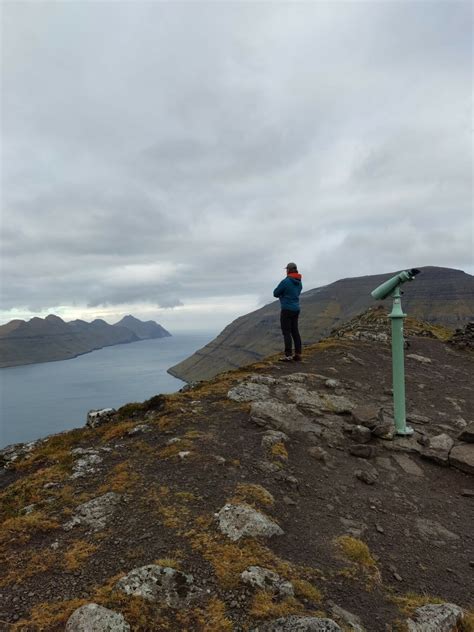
{"points": [[288, 292]]}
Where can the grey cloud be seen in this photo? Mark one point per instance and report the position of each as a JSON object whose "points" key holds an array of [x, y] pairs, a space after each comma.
{"points": [[217, 142]]}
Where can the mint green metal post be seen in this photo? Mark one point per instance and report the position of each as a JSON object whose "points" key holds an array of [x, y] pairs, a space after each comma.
{"points": [[398, 365]]}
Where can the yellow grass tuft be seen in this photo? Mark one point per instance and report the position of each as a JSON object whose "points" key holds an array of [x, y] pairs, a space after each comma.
{"points": [[22, 528], [29, 490], [359, 554], [229, 559], [21, 565], [467, 624], [168, 562], [210, 618], [54, 450], [305, 590], [264, 606], [121, 479], [48, 615], [175, 448], [252, 494], [77, 554], [409, 602], [279, 451], [115, 430]]}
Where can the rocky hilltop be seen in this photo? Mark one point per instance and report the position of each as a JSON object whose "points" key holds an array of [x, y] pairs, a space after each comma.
{"points": [[274, 498], [51, 338], [439, 295]]}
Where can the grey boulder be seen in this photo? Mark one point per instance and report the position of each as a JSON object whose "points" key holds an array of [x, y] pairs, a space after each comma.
{"points": [[274, 414], [438, 449], [96, 418], [249, 392], [435, 618], [95, 618], [239, 521], [268, 580], [160, 584], [462, 457], [95, 513]]}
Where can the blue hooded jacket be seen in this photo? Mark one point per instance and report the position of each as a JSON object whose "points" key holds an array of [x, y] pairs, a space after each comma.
{"points": [[288, 291]]}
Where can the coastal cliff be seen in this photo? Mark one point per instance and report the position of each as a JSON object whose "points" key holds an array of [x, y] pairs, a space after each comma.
{"points": [[51, 338]]}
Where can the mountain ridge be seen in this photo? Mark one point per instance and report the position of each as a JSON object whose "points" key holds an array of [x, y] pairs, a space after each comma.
{"points": [[51, 338]]}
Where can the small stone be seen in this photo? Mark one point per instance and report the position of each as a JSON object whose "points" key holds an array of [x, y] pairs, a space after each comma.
{"points": [[332, 383], [419, 358], [467, 434], [384, 430], [379, 528], [469, 493], [289, 501], [272, 437], [352, 621], [183, 454], [367, 415], [363, 451], [139, 429], [368, 476], [415, 418], [361, 434], [318, 453], [398, 577], [353, 527]]}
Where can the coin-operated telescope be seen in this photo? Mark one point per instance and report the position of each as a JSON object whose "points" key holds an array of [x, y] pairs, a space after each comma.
{"points": [[387, 288], [392, 288]]}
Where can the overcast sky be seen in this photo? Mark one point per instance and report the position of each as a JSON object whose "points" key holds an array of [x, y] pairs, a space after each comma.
{"points": [[168, 159]]}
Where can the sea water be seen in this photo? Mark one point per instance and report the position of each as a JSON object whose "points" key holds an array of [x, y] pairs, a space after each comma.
{"points": [[41, 399]]}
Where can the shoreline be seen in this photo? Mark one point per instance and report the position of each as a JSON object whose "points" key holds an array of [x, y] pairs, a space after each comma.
{"points": [[77, 355]]}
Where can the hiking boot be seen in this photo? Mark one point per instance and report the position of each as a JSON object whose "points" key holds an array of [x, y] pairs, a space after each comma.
{"points": [[297, 357], [285, 359]]}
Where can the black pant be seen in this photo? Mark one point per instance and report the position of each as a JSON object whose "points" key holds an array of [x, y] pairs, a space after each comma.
{"points": [[289, 328]]}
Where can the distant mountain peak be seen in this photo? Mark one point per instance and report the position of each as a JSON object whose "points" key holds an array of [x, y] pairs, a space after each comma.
{"points": [[54, 318], [144, 330], [129, 318]]}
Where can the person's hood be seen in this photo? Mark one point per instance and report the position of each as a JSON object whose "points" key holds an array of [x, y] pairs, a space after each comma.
{"points": [[295, 277]]}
